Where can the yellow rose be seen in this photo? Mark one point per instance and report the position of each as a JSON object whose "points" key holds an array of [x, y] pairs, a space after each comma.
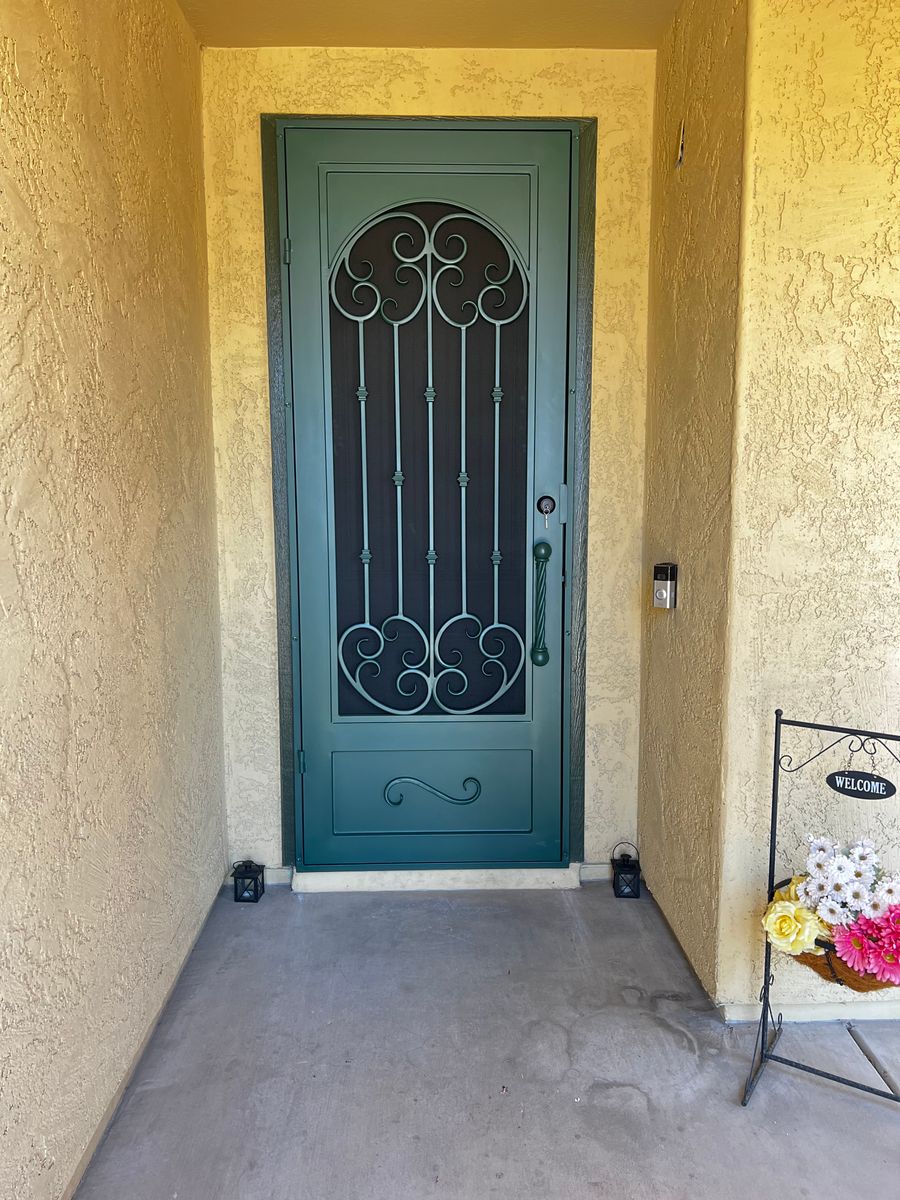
{"points": [[792, 928], [790, 892]]}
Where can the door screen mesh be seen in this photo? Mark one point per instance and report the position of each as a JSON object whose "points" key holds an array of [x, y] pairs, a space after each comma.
{"points": [[429, 377]]}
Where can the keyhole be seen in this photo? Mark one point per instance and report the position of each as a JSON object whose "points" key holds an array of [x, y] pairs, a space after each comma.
{"points": [[545, 507]]}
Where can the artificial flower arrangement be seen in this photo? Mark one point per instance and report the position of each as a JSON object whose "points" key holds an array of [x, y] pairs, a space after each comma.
{"points": [[842, 918]]}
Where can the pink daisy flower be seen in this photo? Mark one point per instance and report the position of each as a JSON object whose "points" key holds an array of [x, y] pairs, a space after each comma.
{"points": [[884, 963], [888, 931], [852, 946], [867, 926]]}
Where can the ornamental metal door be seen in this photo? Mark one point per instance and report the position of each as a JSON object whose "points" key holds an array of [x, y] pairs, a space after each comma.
{"points": [[428, 286]]}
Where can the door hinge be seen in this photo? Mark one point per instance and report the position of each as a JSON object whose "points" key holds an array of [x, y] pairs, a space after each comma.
{"points": [[563, 503], [301, 762], [287, 250]]}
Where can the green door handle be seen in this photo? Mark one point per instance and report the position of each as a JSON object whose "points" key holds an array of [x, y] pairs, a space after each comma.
{"points": [[540, 655]]}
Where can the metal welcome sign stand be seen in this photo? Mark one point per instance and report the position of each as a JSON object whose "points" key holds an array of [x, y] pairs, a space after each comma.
{"points": [[854, 741]]}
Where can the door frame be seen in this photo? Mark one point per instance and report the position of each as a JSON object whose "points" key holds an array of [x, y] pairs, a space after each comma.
{"points": [[579, 360]]}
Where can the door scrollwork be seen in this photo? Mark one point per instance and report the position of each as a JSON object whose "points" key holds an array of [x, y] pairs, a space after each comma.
{"points": [[429, 662]]}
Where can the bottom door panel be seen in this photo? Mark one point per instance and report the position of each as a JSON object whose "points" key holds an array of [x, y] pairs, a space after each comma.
{"points": [[431, 791]]}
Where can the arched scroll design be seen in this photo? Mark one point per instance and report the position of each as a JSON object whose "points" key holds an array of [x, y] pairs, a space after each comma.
{"points": [[436, 287]]}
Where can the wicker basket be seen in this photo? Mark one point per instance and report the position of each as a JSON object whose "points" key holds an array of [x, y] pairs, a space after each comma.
{"points": [[835, 970], [829, 966]]}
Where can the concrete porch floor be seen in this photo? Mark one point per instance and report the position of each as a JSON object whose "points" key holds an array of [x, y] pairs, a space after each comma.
{"points": [[510, 1045]]}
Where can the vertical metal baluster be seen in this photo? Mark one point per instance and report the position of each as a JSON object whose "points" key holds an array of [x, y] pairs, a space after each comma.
{"points": [[427, 266], [463, 476], [497, 396], [398, 475], [365, 556], [431, 556]]}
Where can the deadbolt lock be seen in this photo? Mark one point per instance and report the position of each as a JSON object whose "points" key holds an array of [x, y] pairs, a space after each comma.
{"points": [[545, 506]]}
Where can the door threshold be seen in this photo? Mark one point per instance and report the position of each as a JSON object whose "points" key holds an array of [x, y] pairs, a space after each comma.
{"points": [[443, 880]]}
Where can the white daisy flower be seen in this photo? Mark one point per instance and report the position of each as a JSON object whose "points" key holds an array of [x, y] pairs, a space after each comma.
{"points": [[864, 844], [876, 907], [820, 866], [864, 875], [864, 857], [838, 889], [831, 913], [889, 890], [808, 895], [821, 845], [816, 889], [842, 867], [858, 896]]}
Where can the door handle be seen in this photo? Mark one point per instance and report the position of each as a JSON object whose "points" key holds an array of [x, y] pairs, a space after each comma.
{"points": [[540, 655]]}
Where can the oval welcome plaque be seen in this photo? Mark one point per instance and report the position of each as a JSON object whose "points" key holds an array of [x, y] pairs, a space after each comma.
{"points": [[861, 784]]}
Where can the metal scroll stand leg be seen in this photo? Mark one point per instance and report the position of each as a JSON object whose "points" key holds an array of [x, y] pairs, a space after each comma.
{"points": [[765, 1045]]}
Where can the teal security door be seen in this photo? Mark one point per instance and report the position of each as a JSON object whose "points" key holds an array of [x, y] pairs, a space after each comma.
{"points": [[428, 303]]}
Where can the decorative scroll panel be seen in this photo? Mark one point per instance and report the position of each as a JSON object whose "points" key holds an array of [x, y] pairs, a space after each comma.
{"points": [[429, 377]]}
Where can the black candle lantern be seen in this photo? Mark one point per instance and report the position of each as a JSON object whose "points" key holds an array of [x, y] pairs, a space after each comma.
{"points": [[626, 873], [249, 882]]}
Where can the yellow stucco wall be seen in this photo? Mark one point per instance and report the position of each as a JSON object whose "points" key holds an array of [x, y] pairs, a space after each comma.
{"points": [[614, 86], [815, 578], [692, 354], [110, 734]]}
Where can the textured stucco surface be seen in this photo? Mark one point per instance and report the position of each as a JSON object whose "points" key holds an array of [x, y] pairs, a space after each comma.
{"points": [[606, 24], [690, 415], [614, 86], [816, 566], [111, 830]]}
